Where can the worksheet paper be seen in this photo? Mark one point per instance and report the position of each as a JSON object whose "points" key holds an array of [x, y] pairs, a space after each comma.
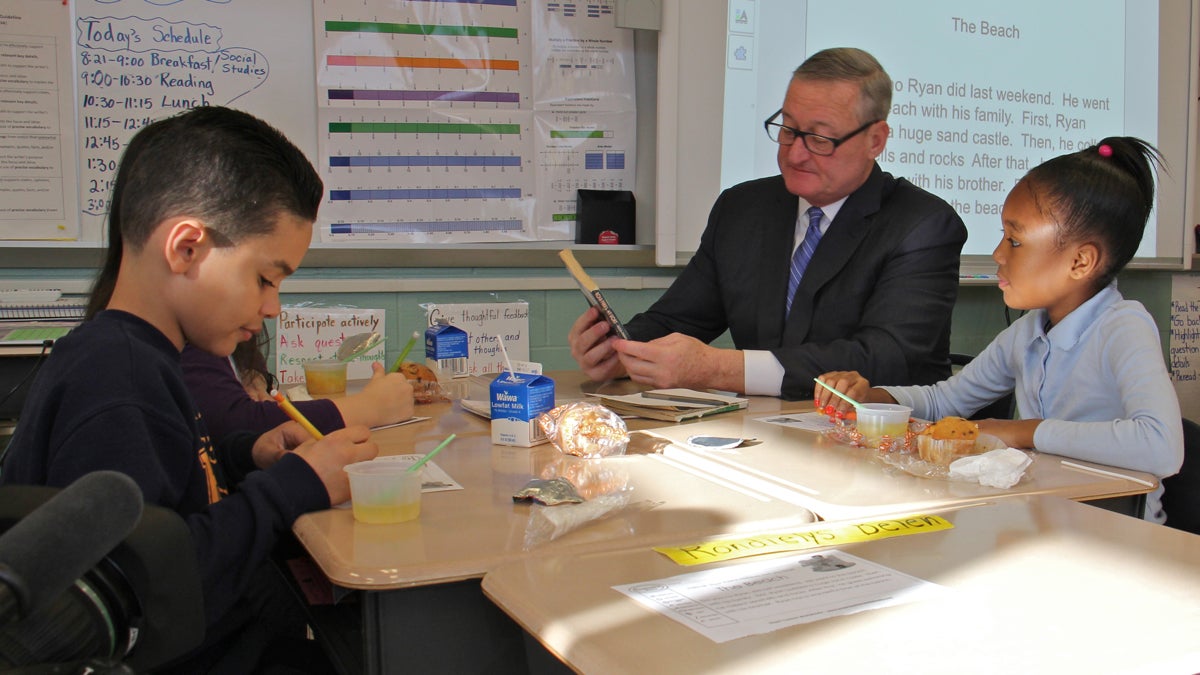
{"points": [[732, 602], [809, 421]]}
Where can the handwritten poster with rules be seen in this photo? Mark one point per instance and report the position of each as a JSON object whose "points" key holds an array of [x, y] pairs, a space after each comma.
{"points": [[1184, 362], [311, 333], [484, 322]]}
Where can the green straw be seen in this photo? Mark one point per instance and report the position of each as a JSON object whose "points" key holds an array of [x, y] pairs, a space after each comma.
{"points": [[421, 462], [404, 352], [839, 394]]}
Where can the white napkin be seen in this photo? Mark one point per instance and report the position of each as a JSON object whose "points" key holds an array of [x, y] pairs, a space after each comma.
{"points": [[1000, 468]]}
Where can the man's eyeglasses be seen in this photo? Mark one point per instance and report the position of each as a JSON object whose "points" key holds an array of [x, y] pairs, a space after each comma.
{"points": [[814, 143]]}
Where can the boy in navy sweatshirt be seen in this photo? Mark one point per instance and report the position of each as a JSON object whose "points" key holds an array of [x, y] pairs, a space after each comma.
{"points": [[211, 210]]}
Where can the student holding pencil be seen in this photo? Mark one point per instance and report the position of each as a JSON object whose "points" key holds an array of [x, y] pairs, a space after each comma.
{"points": [[231, 402], [1086, 365], [212, 209]]}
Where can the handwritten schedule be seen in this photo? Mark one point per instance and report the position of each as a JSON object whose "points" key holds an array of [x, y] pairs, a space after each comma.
{"points": [[133, 70], [138, 61]]}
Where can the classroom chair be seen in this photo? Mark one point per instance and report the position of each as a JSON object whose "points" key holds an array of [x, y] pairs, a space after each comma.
{"points": [[1181, 492], [1001, 409]]}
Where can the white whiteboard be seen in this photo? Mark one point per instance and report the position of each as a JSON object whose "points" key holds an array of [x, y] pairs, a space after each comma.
{"points": [[941, 46], [109, 67]]}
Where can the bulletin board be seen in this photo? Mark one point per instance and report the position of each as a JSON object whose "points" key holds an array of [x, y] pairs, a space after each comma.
{"points": [[119, 65], [431, 123]]}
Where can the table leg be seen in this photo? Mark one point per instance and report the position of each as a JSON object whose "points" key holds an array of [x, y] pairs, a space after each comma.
{"points": [[445, 628]]}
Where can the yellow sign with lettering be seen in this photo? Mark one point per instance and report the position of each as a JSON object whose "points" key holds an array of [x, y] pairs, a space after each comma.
{"points": [[816, 537]]}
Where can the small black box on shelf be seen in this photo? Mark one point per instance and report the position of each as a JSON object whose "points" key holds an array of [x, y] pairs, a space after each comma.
{"points": [[604, 217]]}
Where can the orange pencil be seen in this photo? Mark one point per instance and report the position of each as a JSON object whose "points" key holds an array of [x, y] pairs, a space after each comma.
{"points": [[295, 414]]}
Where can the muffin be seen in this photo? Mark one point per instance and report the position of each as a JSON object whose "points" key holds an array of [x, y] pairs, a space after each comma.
{"points": [[426, 388], [948, 439], [417, 372]]}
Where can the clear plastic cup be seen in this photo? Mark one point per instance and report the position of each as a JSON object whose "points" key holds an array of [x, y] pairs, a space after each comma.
{"points": [[324, 377], [383, 491], [876, 420]]}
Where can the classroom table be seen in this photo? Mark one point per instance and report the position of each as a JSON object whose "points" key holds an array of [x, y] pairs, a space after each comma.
{"points": [[1036, 585], [838, 481], [421, 579], [422, 576]]}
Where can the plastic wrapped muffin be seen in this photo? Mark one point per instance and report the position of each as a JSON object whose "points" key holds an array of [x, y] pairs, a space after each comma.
{"points": [[585, 429], [426, 388], [947, 440]]}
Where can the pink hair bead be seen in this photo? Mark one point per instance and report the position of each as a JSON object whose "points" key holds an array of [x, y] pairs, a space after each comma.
{"points": [[1105, 151]]}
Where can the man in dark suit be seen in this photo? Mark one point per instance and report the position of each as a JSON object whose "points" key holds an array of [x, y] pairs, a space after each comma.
{"points": [[874, 267]]}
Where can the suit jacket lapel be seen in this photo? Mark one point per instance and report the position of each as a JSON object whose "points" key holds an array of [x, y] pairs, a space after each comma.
{"points": [[778, 228]]}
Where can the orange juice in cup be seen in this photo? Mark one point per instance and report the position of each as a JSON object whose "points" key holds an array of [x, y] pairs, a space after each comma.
{"points": [[325, 377], [876, 420], [383, 490]]}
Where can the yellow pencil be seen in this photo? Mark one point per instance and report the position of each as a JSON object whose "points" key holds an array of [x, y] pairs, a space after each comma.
{"points": [[295, 414]]}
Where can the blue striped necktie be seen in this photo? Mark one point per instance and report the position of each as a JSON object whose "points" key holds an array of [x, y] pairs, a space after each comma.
{"points": [[804, 252]]}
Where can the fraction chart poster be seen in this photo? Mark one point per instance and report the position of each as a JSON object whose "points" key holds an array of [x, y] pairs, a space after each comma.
{"points": [[432, 117]]}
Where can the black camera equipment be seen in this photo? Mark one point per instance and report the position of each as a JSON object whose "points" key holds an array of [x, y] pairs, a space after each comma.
{"points": [[87, 574]]}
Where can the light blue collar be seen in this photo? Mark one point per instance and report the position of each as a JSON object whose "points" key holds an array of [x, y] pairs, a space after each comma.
{"points": [[1071, 329]]}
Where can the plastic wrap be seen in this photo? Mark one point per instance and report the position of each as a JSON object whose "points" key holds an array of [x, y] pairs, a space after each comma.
{"points": [[585, 429], [592, 477], [547, 523], [903, 454], [590, 441], [426, 388], [911, 462], [845, 431]]}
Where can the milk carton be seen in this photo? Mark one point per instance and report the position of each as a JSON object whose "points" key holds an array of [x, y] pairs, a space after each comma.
{"points": [[446, 349], [516, 401]]}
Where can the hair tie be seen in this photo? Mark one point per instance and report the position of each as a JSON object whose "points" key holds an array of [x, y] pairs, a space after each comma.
{"points": [[1104, 150]]}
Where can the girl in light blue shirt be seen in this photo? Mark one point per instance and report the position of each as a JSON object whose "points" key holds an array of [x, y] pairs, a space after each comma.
{"points": [[1085, 365]]}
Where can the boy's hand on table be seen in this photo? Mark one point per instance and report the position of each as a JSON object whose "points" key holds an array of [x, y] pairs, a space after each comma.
{"points": [[273, 444], [329, 456]]}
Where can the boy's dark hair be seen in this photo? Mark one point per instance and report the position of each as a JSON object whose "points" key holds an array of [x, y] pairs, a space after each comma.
{"points": [[1103, 195], [225, 167]]}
